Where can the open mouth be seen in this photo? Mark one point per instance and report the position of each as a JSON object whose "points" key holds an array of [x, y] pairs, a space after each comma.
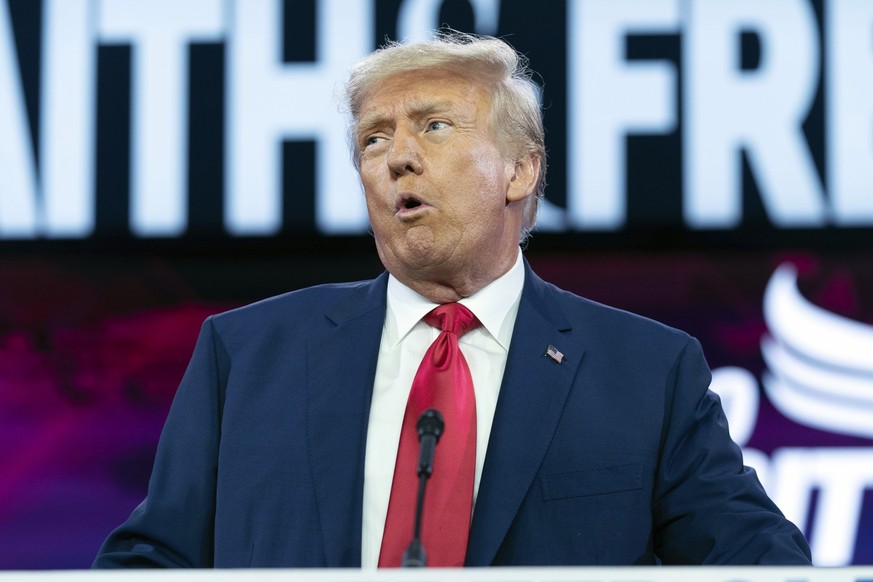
{"points": [[409, 203]]}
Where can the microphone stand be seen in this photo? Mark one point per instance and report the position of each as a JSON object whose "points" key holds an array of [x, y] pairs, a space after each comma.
{"points": [[415, 556], [430, 427]]}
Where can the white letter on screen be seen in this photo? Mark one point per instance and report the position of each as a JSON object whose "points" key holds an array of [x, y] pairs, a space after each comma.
{"points": [[841, 476], [160, 32], [849, 102], [270, 101], [612, 98], [761, 111], [17, 166], [68, 117]]}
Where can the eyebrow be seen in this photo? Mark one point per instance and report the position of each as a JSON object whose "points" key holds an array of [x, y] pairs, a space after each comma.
{"points": [[414, 108]]}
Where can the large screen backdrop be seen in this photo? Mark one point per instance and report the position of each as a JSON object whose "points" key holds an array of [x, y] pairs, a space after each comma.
{"points": [[710, 166]]}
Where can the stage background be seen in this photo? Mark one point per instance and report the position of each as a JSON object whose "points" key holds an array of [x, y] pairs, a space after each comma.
{"points": [[711, 166]]}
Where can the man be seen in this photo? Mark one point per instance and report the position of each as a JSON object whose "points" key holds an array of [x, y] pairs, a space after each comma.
{"points": [[590, 433]]}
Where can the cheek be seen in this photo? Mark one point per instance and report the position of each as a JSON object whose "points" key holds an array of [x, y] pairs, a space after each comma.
{"points": [[489, 176], [372, 168], [374, 188]]}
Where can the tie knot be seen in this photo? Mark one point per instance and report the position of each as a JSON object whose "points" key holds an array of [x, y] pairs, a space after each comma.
{"points": [[452, 317]]}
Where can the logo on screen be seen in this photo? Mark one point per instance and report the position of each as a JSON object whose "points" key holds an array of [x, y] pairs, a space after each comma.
{"points": [[819, 374]]}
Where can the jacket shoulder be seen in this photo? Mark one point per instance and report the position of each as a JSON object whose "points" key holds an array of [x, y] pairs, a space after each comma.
{"points": [[303, 303]]}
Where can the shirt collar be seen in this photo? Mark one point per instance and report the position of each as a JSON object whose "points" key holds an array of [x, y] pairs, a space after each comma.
{"points": [[492, 305]]}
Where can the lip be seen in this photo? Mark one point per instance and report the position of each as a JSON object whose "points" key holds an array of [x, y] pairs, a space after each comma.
{"points": [[410, 204]]}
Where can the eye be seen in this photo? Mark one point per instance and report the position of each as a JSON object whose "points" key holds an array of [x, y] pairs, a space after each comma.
{"points": [[372, 140], [436, 125]]}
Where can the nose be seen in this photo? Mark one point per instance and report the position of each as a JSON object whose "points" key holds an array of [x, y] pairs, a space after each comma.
{"points": [[404, 154]]}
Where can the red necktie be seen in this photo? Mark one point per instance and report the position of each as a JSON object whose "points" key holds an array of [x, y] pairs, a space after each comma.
{"points": [[443, 382]]}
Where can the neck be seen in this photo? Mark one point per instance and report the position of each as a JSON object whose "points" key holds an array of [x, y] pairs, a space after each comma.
{"points": [[456, 286], [440, 293]]}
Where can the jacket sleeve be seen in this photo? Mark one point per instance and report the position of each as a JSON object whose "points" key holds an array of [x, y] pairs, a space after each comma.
{"points": [[708, 508], [173, 526]]}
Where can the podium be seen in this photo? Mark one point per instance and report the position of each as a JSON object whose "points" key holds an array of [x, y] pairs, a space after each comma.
{"points": [[586, 574]]}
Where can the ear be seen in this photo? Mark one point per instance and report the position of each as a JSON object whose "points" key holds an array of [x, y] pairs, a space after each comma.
{"points": [[523, 179]]}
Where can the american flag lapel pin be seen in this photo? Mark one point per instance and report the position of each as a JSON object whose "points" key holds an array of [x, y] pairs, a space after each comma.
{"points": [[553, 353]]}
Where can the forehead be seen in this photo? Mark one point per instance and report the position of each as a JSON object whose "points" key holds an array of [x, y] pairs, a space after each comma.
{"points": [[423, 92]]}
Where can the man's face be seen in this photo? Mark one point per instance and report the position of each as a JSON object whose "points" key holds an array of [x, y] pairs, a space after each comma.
{"points": [[445, 205]]}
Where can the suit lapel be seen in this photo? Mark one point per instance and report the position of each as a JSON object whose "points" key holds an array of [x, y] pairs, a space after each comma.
{"points": [[532, 396], [341, 366]]}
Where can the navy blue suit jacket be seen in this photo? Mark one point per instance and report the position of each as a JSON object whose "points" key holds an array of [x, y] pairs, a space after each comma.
{"points": [[617, 455]]}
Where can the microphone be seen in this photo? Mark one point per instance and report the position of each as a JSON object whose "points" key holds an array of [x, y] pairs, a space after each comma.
{"points": [[430, 427]]}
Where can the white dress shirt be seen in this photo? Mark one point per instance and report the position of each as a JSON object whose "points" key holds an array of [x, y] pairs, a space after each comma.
{"points": [[405, 339]]}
